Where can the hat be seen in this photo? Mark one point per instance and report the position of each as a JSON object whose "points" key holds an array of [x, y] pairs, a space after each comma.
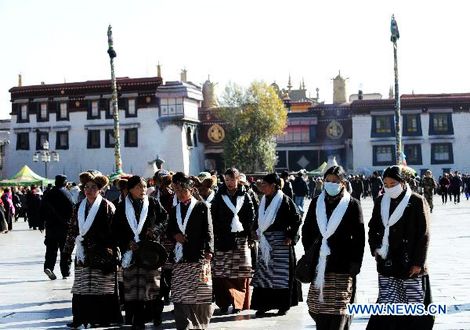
{"points": [[60, 180], [95, 176], [206, 176], [394, 172], [242, 178], [162, 176]]}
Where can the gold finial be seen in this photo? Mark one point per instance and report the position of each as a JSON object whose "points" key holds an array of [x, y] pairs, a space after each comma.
{"points": [[20, 80]]}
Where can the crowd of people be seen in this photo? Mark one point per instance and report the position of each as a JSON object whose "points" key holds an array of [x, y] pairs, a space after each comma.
{"points": [[227, 240]]}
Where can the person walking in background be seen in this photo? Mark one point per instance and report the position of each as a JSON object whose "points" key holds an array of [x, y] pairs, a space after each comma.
{"points": [[7, 200], [56, 212], [429, 186], [376, 185], [276, 228], [34, 198], [233, 215], [335, 219], [287, 188], [444, 184], [456, 187], [357, 188], [399, 240], [74, 192], [300, 189]]}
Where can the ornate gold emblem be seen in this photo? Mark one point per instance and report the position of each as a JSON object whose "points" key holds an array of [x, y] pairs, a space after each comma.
{"points": [[216, 133], [334, 130]]}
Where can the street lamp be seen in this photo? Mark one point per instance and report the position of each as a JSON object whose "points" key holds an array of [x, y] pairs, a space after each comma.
{"points": [[46, 156], [394, 38]]}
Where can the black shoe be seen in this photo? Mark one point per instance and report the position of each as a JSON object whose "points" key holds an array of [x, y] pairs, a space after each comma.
{"points": [[223, 310], [236, 311], [282, 312], [50, 273], [74, 325], [260, 313]]}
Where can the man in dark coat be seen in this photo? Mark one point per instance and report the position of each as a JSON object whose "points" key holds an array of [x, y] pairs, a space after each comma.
{"points": [[300, 189], [376, 185], [56, 212]]}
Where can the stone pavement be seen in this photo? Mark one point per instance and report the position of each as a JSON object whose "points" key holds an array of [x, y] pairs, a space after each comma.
{"points": [[29, 300]]}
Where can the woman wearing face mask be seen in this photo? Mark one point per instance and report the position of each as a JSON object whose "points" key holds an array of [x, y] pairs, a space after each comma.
{"points": [[398, 239], [334, 221]]}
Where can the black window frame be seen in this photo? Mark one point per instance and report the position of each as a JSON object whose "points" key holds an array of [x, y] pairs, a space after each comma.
{"points": [[19, 117], [89, 139], [406, 131], [39, 146], [376, 162], [450, 125], [39, 118], [57, 141], [450, 160], [419, 159], [128, 114], [374, 132], [18, 139], [90, 110], [127, 137], [58, 116], [107, 142]]}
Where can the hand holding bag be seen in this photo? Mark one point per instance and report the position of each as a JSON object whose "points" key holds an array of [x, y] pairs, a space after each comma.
{"points": [[307, 264]]}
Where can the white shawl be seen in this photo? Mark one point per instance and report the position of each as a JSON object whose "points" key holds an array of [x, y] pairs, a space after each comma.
{"points": [[84, 224], [210, 198], [135, 227], [182, 226], [266, 217], [236, 224], [327, 228], [389, 220]]}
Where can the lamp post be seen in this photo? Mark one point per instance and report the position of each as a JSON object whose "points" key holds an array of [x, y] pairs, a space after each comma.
{"points": [[394, 38], [46, 156]]}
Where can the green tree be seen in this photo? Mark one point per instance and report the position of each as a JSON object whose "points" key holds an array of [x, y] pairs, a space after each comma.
{"points": [[255, 116]]}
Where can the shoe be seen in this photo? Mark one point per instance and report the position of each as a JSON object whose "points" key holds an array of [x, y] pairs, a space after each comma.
{"points": [[260, 313], [50, 273], [236, 311], [74, 325], [282, 312], [223, 310]]}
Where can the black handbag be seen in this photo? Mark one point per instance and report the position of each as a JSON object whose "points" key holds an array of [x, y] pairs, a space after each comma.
{"points": [[99, 257], [307, 264], [150, 255]]}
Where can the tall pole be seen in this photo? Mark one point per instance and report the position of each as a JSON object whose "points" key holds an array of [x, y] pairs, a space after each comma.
{"points": [[114, 103], [395, 36]]}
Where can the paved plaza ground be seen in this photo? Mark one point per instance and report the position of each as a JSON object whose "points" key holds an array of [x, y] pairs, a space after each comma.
{"points": [[29, 300]]}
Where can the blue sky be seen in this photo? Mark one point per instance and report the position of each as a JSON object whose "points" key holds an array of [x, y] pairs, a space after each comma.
{"points": [[238, 41]]}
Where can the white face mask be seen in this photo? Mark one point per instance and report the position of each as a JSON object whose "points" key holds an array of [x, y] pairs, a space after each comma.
{"points": [[332, 188], [394, 192]]}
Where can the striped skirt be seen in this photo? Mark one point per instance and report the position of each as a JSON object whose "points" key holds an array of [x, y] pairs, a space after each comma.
{"points": [[275, 275], [395, 290], [233, 263], [337, 293], [141, 284], [89, 281], [191, 283]]}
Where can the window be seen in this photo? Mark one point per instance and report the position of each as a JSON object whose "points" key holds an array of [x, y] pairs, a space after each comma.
{"points": [[23, 116], [130, 137], [22, 141], [382, 125], [412, 125], [63, 112], [93, 110], [189, 137], [440, 124], [131, 110], [109, 140], [108, 106], [383, 155], [442, 153], [295, 134], [93, 141], [413, 154], [62, 140], [43, 115], [41, 138], [171, 107]]}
